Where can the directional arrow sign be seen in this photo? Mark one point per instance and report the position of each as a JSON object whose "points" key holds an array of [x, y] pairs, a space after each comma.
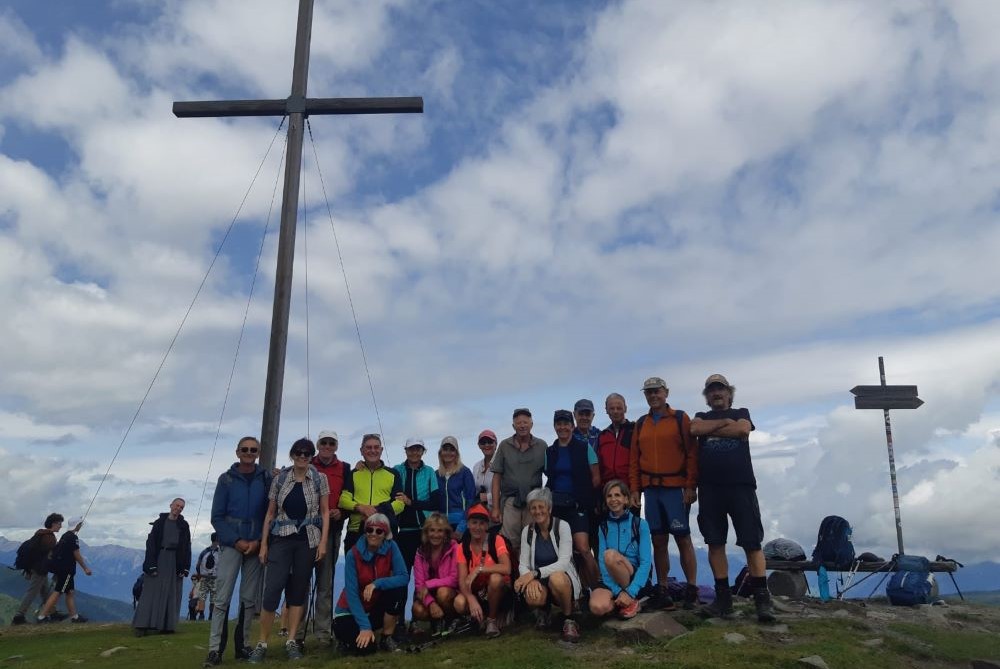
{"points": [[886, 397], [887, 402]]}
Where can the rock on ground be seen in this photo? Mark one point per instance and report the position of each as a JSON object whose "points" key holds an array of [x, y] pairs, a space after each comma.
{"points": [[111, 651], [646, 626], [814, 661], [734, 637]]}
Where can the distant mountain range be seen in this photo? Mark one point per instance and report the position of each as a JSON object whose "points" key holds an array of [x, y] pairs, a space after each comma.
{"points": [[116, 569]]}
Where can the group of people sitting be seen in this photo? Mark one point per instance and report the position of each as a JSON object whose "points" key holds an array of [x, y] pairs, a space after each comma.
{"points": [[477, 541]]}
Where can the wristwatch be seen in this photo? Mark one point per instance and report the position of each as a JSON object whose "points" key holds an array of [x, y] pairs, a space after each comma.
{"points": [[538, 573]]}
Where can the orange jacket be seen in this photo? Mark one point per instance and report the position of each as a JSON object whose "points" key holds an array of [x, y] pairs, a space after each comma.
{"points": [[660, 455]]}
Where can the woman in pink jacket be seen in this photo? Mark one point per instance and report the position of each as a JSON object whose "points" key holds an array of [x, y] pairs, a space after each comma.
{"points": [[435, 573]]}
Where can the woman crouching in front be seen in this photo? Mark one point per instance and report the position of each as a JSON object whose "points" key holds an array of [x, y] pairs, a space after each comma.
{"points": [[624, 556], [546, 565], [374, 592], [435, 573]]}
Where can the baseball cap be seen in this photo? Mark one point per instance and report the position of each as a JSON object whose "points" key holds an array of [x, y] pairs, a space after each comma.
{"points": [[654, 382], [716, 378], [584, 405], [478, 511], [413, 442], [328, 434], [449, 441], [522, 412], [562, 416], [487, 433]]}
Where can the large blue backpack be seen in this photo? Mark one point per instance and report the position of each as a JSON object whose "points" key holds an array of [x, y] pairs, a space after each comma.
{"points": [[912, 583], [833, 544]]}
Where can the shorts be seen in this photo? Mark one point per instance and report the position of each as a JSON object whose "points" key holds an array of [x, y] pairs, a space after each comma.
{"points": [[739, 502], [63, 583], [666, 511], [578, 521]]}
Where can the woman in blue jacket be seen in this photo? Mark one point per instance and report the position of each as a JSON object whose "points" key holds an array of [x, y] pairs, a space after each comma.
{"points": [[420, 497], [457, 484], [374, 592], [624, 556]]}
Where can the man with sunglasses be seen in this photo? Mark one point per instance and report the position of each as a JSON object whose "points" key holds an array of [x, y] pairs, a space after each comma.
{"points": [[238, 509], [337, 472], [481, 470]]}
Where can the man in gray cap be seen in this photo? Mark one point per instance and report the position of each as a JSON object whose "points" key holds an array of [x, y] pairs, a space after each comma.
{"points": [[727, 489], [663, 465]]}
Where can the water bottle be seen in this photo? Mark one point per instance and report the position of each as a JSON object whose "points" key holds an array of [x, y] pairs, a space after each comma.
{"points": [[824, 584]]}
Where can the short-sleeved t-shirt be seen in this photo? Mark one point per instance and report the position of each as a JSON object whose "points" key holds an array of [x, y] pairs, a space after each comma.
{"points": [[521, 471], [65, 550], [725, 460], [562, 475], [483, 557]]}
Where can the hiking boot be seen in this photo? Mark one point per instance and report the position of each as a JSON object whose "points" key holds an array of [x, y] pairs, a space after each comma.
{"points": [[44, 620], [690, 596], [492, 629], [765, 610], [258, 654], [18, 619], [214, 659], [542, 620], [243, 653], [78, 619], [389, 644], [570, 631], [722, 607], [662, 599], [630, 611], [292, 650], [58, 615]]}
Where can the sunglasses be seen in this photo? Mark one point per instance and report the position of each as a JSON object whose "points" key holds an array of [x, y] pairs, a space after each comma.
{"points": [[301, 454], [377, 531], [249, 449], [486, 442], [327, 442]]}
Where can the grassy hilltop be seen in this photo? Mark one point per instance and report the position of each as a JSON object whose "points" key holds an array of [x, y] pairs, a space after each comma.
{"points": [[843, 634]]}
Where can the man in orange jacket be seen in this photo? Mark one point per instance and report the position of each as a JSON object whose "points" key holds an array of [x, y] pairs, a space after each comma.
{"points": [[663, 464]]}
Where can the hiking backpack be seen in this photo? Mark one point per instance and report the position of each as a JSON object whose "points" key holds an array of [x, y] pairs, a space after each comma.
{"points": [[28, 553], [912, 583], [491, 543], [61, 559], [833, 543], [635, 530]]}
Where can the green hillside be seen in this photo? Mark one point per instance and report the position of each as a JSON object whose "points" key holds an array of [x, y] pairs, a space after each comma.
{"points": [[848, 636]]}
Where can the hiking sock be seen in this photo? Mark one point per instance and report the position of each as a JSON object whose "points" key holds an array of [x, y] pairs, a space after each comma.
{"points": [[757, 583], [721, 584]]}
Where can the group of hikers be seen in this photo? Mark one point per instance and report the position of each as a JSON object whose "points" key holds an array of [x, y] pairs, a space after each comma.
{"points": [[477, 543]]}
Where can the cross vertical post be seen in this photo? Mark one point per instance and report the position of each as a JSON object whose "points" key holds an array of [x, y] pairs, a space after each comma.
{"points": [[296, 107]]}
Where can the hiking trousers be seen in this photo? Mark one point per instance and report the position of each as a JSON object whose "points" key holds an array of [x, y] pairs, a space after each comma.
{"points": [[38, 586], [325, 571], [232, 564]]}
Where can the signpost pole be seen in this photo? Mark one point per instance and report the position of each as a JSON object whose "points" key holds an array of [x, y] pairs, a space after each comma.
{"points": [[892, 463]]}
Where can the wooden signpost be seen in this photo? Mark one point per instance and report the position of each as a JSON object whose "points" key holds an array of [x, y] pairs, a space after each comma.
{"points": [[296, 107], [887, 397]]}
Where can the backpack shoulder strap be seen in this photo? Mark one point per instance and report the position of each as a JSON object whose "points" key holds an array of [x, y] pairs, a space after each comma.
{"points": [[636, 527], [531, 534], [679, 415], [492, 543]]}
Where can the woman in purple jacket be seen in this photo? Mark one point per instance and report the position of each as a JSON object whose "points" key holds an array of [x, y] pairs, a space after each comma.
{"points": [[435, 573], [457, 485]]}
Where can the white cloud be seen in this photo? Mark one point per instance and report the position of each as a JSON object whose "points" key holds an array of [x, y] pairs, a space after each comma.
{"points": [[780, 192]]}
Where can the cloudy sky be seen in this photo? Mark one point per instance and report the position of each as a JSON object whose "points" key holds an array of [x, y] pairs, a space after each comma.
{"points": [[596, 192]]}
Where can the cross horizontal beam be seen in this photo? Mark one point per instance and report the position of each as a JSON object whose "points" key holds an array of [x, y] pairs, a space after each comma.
{"points": [[290, 105]]}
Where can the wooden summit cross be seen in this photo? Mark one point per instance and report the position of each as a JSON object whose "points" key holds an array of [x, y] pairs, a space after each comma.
{"points": [[296, 107]]}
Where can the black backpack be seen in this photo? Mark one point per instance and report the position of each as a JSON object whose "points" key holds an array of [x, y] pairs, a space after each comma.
{"points": [[833, 544], [28, 553], [491, 543], [61, 560]]}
